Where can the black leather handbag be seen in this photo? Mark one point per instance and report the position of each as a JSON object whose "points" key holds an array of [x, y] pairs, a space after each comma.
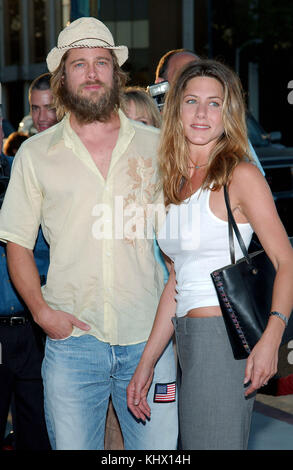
{"points": [[244, 290]]}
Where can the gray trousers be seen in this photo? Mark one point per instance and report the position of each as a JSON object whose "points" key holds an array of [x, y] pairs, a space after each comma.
{"points": [[213, 411]]}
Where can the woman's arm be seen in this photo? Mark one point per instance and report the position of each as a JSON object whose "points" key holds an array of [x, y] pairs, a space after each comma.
{"points": [[251, 195], [161, 334]]}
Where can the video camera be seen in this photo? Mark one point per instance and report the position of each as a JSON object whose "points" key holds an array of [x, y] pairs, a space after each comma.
{"points": [[157, 92]]}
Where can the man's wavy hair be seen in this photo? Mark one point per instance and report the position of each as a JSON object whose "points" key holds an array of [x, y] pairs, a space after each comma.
{"points": [[58, 76], [232, 146]]}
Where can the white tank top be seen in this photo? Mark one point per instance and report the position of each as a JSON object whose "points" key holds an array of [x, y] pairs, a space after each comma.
{"points": [[197, 242]]}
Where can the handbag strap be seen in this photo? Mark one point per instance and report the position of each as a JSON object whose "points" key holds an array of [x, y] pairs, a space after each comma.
{"points": [[233, 226]]}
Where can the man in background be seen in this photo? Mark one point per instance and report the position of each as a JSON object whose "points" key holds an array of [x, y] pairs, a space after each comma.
{"points": [[40, 99], [171, 62], [42, 113]]}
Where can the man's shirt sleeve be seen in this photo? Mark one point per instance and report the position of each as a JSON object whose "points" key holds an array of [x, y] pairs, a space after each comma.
{"points": [[21, 210]]}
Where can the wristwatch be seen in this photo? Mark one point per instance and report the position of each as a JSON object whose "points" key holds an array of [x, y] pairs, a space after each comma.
{"points": [[280, 315]]}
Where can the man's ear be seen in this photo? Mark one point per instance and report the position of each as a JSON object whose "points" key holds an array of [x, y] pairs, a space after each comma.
{"points": [[159, 80]]}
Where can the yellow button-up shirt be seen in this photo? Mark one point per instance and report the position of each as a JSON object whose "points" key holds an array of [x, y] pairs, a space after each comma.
{"points": [[102, 264]]}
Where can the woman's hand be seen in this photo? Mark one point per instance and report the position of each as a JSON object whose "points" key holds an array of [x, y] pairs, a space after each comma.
{"points": [[137, 391], [261, 364]]}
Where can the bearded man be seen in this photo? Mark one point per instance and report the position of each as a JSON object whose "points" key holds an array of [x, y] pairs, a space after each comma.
{"points": [[82, 180]]}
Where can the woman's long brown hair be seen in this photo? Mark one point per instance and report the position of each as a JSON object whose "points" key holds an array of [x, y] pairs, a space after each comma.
{"points": [[232, 146]]}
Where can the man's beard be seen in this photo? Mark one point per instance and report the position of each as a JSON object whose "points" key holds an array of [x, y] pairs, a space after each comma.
{"points": [[97, 106]]}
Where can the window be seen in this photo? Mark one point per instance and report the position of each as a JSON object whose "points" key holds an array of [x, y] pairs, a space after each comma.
{"points": [[12, 31], [38, 31], [127, 21]]}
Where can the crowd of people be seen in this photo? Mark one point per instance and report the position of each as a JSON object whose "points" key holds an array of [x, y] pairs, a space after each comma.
{"points": [[92, 303]]}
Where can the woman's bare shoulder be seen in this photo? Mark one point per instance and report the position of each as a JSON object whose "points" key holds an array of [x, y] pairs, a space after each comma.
{"points": [[246, 169], [248, 183]]}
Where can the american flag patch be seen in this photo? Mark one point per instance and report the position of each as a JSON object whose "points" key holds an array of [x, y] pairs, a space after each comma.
{"points": [[165, 393]]}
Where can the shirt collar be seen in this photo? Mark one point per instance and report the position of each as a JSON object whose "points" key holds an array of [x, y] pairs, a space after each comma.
{"points": [[125, 136], [63, 130], [64, 134], [57, 135]]}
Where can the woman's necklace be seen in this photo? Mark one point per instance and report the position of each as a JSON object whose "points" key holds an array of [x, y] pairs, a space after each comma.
{"points": [[198, 166]]}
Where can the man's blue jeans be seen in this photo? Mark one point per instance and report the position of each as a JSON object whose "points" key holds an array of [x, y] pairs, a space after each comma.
{"points": [[80, 373]]}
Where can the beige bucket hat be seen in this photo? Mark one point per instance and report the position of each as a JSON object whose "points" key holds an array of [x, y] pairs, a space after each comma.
{"points": [[84, 32]]}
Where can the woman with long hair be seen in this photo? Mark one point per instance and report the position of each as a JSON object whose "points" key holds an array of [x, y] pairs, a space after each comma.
{"points": [[203, 147], [140, 106]]}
